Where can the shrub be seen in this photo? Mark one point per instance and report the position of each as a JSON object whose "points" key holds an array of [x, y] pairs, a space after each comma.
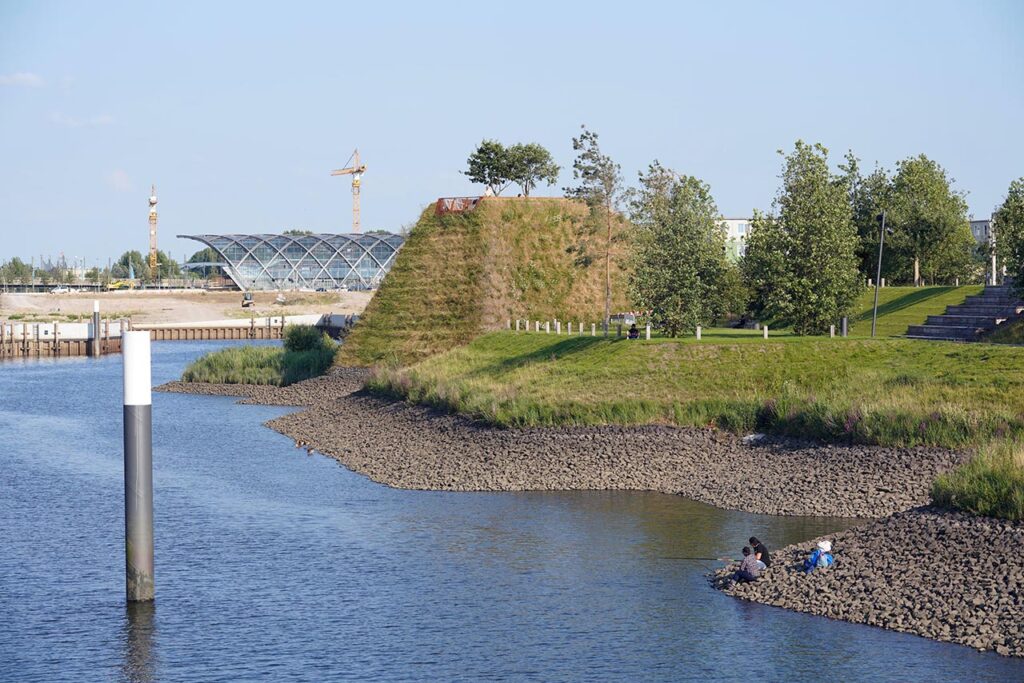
{"points": [[304, 338]]}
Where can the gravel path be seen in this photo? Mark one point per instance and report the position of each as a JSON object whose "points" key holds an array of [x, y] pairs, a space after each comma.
{"points": [[943, 575], [419, 448]]}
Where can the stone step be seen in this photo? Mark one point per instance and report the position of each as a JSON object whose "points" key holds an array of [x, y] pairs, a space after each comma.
{"points": [[986, 321], [964, 333], [977, 309]]}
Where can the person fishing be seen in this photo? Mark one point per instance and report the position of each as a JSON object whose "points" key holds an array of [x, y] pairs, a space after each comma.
{"points": [[749, 568], [761, 551], [820, 558]]}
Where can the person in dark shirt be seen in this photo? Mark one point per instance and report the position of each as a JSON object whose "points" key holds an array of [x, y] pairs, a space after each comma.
{"points": [[634, 333], [760, 551]]}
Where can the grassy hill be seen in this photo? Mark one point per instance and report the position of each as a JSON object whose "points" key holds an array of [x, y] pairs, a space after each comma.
{"points": [[900, 307], [460, 275]]}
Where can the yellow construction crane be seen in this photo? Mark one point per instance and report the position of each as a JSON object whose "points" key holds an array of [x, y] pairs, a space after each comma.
{"points": [[356, 170]]}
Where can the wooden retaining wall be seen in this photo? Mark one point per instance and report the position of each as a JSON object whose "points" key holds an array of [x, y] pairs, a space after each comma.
{"points": [[45, 348], [202, 333]]}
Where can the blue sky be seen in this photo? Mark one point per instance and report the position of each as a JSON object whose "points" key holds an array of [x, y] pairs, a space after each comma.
{"points": [[238, 112]]}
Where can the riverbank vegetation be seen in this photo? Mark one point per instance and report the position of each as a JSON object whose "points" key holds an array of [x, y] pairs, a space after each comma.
{"points": [[990, 484], [883, 391], [306, 353]]}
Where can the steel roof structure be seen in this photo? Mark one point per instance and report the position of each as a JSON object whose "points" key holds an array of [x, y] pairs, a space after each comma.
{"points": [[271, 262]]}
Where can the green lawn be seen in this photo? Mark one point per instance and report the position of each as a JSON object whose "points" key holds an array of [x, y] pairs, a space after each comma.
{"points": [[901, 307], [1009, 334], [886, 391]]}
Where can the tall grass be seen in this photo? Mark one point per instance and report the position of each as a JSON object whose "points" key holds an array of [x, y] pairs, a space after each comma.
{"points": [[991, 483], [307, 353]]}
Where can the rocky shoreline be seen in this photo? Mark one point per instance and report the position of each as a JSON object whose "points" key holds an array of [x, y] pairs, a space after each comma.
{"points": [[939, 574], [944, 575], [416, 447]]}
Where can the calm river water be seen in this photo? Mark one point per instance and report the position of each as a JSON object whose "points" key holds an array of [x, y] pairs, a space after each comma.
{"points": [[275, 565]]}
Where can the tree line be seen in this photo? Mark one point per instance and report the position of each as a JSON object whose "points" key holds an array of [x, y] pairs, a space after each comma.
{"points": [[806, 259]]}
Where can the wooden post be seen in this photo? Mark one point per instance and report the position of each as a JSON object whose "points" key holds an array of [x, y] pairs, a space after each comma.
{"points": [[56, 339]]}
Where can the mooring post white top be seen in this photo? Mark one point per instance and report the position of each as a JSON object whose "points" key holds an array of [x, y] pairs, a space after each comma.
{"points": [[95, 306], [137, 370]]}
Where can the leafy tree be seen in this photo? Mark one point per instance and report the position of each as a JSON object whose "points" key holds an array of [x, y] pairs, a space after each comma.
{"points": [[801, 262], [1009, 233], [166, 266], [207, 255], [139, 265], [680, 267], [928, 217], [868, 196], [490, 165], [530, 164], [601, 187], [93, 275], [17, 270]]}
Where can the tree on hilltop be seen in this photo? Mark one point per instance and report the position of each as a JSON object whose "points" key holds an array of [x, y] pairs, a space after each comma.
{"points": [[601, 187], [496, 166], [529, 164], [680, 269], [801, 264], [1009, 232], [490, 165]]}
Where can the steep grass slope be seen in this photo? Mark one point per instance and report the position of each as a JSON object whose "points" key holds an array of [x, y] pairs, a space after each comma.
{"points": [[460, 275], [901, 307]]}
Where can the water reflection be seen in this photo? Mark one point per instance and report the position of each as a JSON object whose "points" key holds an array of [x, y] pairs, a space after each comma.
{"points": [[139, 651]]}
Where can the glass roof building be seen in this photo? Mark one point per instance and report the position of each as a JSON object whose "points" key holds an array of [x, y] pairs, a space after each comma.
{"points": [[269, 262]]}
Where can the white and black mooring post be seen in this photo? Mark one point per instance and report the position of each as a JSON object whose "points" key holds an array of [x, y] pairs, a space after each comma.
{"points": [[138, 467]]}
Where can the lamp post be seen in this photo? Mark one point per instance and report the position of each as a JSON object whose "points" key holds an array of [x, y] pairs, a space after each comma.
{"points": [[878, 274]]}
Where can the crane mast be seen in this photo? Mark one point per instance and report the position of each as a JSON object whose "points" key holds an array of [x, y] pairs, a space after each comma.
{"points": [[356, 170], [152, 234]]}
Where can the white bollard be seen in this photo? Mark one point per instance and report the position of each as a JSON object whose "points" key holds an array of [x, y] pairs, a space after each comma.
{"points": [[765, 330], [509, 326], [593, 330], [138, 466], [547, 327], [698, 332], [648, 332], [580, 326], [558, 327], [882, 281], [517, 324], [536, 327], [569, 331], [832, 331]]}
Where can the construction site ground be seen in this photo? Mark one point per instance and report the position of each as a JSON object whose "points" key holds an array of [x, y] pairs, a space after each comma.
{"points": [[174, 306]]}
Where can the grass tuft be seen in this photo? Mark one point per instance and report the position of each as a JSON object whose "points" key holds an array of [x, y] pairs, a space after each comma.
{"points": [[990, 484]]}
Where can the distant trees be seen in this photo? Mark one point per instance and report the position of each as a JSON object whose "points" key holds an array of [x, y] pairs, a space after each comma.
{"points": [[680, 271], [602, 188], [207, 255], [16, 270], [1009, 231], [801, 263], [133, 263], [496, 166]]}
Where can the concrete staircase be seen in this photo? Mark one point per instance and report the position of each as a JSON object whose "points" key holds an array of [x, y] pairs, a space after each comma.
{"points": [[973, 318]]}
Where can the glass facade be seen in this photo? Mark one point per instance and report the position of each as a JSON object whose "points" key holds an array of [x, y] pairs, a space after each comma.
{"points": [[269, 262]]}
